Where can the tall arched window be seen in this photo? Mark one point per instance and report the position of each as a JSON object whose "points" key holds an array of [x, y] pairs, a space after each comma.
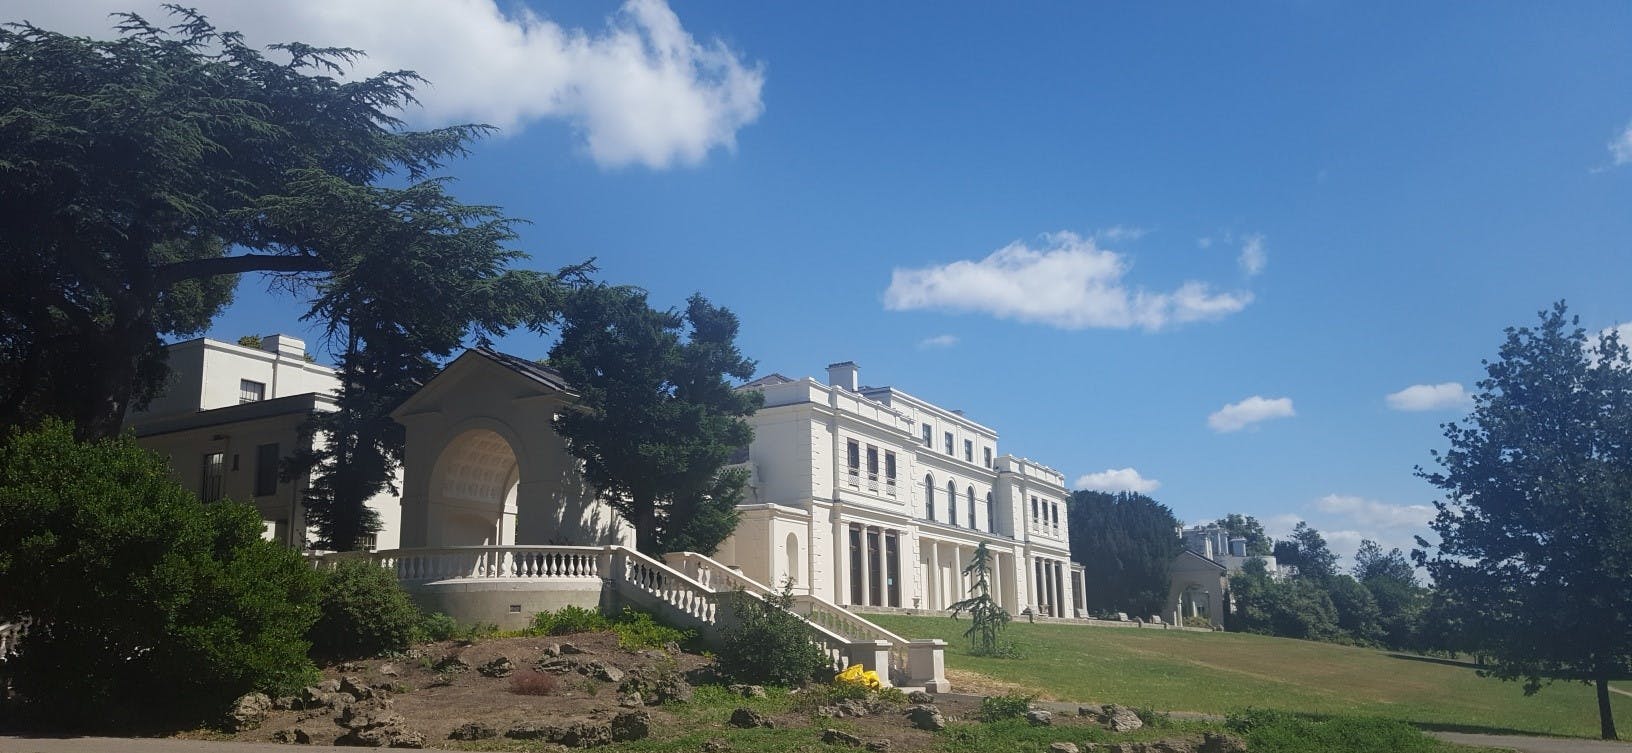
{"points": [[929, 496], [951, 502], [991, 514], [972, 509]]}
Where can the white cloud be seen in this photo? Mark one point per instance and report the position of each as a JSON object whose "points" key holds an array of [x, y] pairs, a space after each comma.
{"points": [[1620, 148], [1370, 513], [1238, 416], [1118, 480], [938, 341], [1420, 397], [1069, 283], [1116, 233], [641, 90], [1253, 258]]}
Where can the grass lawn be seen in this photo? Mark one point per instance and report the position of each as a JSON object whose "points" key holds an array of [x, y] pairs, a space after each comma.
{"points": [[1220, 672]]}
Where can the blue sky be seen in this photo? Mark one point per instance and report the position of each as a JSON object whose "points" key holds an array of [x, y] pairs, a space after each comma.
{"points": [[1092, 227]]}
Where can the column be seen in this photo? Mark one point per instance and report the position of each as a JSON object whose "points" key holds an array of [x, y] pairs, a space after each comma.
{"points": [[841, 552], [1064, 606], [866, 570], [932, 579], [957, 573]]}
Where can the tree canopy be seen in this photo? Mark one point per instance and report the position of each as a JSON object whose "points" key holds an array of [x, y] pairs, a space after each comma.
{"points": [[1536, 525], [659, 414], [1126, 543], [1307, 551], [1247, 527], [145, 173]]}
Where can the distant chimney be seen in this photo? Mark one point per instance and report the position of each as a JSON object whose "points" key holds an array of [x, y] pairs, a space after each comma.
{"points": [[284, 345], [1238, 547], [958, 412], [844, 375]]}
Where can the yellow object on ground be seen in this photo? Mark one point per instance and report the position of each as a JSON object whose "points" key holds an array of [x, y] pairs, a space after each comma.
{"points": [[857, 674]]}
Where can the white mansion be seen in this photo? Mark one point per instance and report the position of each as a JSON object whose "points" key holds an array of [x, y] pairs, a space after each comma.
{"points": [[865, 497], [874, 498]]}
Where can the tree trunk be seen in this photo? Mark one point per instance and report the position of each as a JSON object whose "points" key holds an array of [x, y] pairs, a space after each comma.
{"points": [[1606, 716]]}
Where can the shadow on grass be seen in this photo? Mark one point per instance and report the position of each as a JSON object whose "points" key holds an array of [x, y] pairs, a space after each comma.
{"points": [[1475, 729], [1458, 663]]}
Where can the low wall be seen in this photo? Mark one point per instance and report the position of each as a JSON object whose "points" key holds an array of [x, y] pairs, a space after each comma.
{"points": [[510, 604]]}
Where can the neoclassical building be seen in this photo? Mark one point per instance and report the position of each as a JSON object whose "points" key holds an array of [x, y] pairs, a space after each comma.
{"points": [[874, 498], [861, 496]]}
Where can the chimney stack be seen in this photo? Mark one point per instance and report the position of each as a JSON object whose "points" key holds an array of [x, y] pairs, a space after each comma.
{"points": [[844, 375], [284, 345]]}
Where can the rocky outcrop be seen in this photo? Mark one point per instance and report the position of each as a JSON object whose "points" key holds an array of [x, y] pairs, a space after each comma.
{"points": [[1120, 719], [247, 712], [587, 733], [473, 731], [1039, 718], [926, 717], [499, 667], [839, 737], [749, 718]]}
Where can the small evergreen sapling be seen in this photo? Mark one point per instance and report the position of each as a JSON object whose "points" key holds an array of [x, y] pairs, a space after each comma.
{"points": [[986, 618]]}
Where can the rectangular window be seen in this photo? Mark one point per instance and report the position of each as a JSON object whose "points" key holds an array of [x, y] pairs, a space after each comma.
{"points": [[949, 443], [872, 462], [209, 487], [266, 470], [968, 451], [875, 568], [988, 452], [889, 466], [929, 433], [250, 392], [853, 461]]}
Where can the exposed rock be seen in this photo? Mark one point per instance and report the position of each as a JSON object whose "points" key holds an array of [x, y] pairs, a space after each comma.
{"points": [[1039, 718], [568, 648], [293, 735], [247, 712], [631, 725], [747, 691], [586, 735], [715, 746], [1091, 710], [285, 702], [499, 667], [881, 745], [1218, 742], [671, 647], [528, 731], [325, 694], [926, 717], [355, 687], [1120, 719], [630, 700], [389, 669], [602, 671], [749, 718], [1062, 748], [349, 666], [370, 725], [473, 731], [839, 737], [450, 664], [919, 696], [552, 650], [559, 664]]}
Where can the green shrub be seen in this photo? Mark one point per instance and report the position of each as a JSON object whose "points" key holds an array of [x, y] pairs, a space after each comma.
{"points": [[364, 613], [1006, 706], [1268, 731], [435, 626], [149, 605], [569, 620], [639, 630], [769, 645]]}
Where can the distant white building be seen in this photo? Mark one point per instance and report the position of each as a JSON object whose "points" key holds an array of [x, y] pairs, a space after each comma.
{"points": [[230, 415], [1216, 544], [871, 497]]}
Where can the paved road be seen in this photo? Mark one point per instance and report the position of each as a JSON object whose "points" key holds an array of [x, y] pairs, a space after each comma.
{"points": [[1536, 744]]}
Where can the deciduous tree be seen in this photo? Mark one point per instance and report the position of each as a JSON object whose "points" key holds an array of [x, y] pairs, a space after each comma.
{"points": [[1536, 525], [1247, 527]]}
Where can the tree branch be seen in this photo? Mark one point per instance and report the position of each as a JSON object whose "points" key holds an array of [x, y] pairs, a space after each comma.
{"points": [[193, 269]]}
